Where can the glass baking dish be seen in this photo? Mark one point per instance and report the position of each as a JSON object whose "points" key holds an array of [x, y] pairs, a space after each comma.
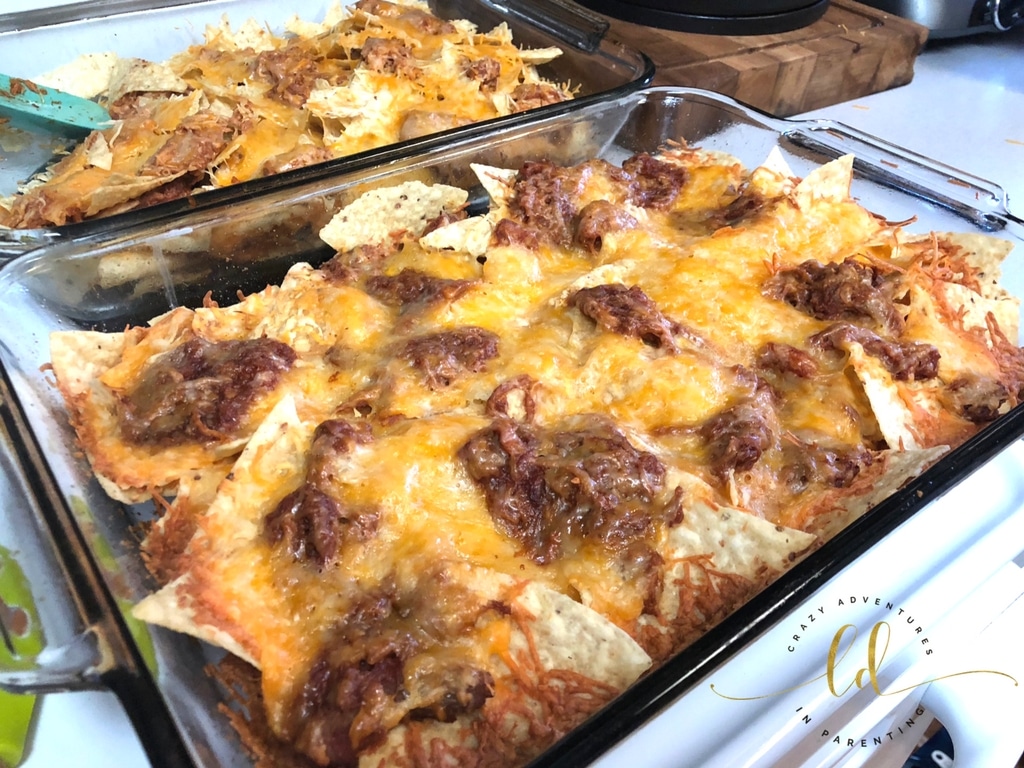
{"points": [[105, 280], [597, 67]]}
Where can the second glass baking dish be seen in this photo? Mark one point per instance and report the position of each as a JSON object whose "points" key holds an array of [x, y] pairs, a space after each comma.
{"points": [[595, 66]]}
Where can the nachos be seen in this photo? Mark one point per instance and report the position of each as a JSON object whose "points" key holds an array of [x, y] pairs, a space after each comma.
{"points": [[247, 103], [460, 485]]}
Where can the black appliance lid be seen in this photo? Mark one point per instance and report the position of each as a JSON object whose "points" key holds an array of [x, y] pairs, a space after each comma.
{"points": [[715, 17]]}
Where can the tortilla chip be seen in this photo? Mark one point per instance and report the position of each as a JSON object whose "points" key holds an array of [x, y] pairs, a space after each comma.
{"points": [[78, 359], [232, 519], [776, 163], [877, 483], [538, 56], [141, 76], [90, 372], [251, 34], [471, 236], [716, 560], [359, 98], [497, 182], [736, 541], [976, 308], [120, 188], [773, 178], [986, 254], [830, 182], [569, 636], [97, 151], [172, 608], [335, 14], [895, 420], [374, 216], [87, 76]]}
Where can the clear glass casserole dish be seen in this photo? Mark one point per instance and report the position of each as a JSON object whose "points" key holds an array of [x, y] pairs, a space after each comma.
{"points": [[107, 280], [594, 66]]}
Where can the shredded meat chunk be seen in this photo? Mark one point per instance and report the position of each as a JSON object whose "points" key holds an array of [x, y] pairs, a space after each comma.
{"points": [[599, 218], [389, 56], [425, 23], [533, 95], [200, 390], [550, 489], [509, 232], [291, 71], [544, 199], [300, 157], [425, 122], [816, 464], [485, 70], [349, 266], [193, 145], [310, 524], [175, 189], [785, 358], [627, 311], [410, 286], [977, 398], [465, 690], [501, 403], [444, 218], [655, 183], [748, 204], [361, 677], [442, 357], [547, 198], [332, 700], [905, 360], [846, 290], [737, 437], [135, 104], [306, 523]]}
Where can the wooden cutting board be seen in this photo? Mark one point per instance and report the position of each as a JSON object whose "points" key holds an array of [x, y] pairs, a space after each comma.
{"points": [[852, 51]]}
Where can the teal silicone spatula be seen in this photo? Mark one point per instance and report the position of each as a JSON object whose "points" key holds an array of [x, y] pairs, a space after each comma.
{"points": [[27, 104]]}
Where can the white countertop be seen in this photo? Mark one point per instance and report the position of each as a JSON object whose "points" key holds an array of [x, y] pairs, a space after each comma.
{"points": [[964, 107]]}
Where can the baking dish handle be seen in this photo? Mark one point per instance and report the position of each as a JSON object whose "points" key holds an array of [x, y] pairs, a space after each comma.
{"points": [[571, 23], [971, 197], [50, 640], [73, 666]]}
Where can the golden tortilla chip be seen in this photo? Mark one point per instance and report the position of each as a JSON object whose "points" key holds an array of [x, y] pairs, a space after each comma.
{"points": [[375, 216], [275, 451], [497, 182], [471, 235], [829, 182], [141, 76], [538, 56]]}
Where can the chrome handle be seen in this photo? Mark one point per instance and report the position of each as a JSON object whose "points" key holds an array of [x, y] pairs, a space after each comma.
{"points": [[75, 666], [975, 199]]}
